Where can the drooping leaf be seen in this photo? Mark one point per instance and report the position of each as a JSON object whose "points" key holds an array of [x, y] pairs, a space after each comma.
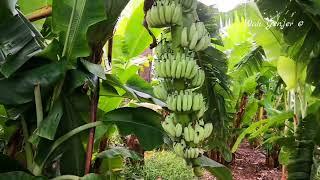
{"points": [[19, 41], [94, 68], [260, 127], [140, 86], [19, 88], [143, 122], [218, 170]]}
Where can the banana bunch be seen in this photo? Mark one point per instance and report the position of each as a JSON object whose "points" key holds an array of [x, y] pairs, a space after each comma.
{"points": [[164, 13], [198, 133], [198, 79], [196, 37], [177, 68], [185, 101], [170, 128], [191, 153], [160, 91]]}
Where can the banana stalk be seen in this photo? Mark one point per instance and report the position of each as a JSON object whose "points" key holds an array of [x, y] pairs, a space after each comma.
{"points": [[184, 125]]}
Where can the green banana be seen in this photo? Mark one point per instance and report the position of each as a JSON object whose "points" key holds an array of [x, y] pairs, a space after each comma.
{"points": [[201, 122], [189, 101], [201, 133], [183, 143], [169, 102], [201, 28], [195, 102], [186, 134], [157, 68], [160, 92], [178, 72], [185, 102], [172, 9], [168, 68], [201, 112], [194, 71], [208, 129], [174, 103], [179, 103], [167, 13], [173, 68], [161, 13], [186, 154], [177, 15], [184, 37], [193, 30], [178, 130], [178, 149], [148, 19], [201, 44], [196, 138], [155, 16], [201, 78], [168, 128], [163, 68], [191, 133], [183, 68], [195, 79], [190, 66], [194, 40]]}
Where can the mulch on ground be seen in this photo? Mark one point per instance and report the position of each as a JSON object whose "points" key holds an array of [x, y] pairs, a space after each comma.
{"points": [[250, 164]]}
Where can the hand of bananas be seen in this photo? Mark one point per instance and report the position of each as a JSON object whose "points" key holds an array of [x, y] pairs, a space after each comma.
{"points": [[164, 13], [185, 101], [175, 66], [196, 37]]}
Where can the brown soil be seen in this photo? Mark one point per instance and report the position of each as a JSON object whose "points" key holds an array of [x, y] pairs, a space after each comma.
{"points": [[250, 165]]}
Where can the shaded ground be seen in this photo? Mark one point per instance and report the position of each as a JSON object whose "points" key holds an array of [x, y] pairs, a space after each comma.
{"points": [[250, 165]]}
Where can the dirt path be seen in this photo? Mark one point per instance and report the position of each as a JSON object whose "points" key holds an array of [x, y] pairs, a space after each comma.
{"points": [[250, 165]]}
